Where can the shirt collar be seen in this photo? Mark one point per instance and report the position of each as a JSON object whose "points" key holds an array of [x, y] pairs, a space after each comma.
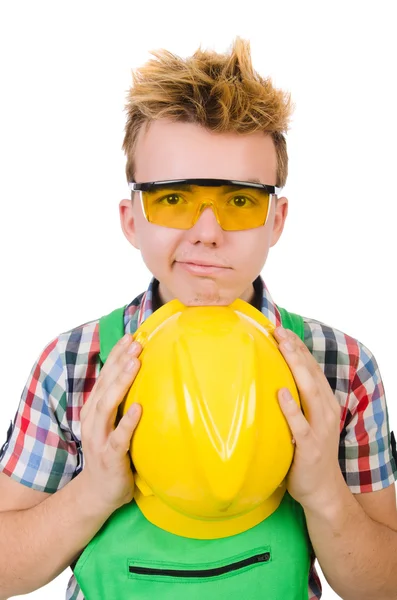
{"points": [[142, 307]]}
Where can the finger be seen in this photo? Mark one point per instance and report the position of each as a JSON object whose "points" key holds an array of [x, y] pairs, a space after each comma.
{"points": [[104, 414], [306, 356], [311, 387], [108, 372], [122, 346], [302, 433], [112, 368], [116, 351], [100, 421], [120, 439], [286, 335]]}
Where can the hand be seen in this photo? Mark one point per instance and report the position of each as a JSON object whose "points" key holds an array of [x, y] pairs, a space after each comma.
{"points": [[107, 467], [314, 478]]}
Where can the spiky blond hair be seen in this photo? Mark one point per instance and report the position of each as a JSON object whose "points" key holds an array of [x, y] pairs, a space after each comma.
{"points": [[221, 92]]}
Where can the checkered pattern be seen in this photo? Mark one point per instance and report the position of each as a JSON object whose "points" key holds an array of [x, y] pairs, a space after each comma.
{"points": [[43, 450]]}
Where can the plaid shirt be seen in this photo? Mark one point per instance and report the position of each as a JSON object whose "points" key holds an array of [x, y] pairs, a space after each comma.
{"points": [[43, 449]]}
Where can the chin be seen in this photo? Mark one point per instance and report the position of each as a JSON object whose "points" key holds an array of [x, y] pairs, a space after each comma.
{"points": [[206, 295], [198, 301]]}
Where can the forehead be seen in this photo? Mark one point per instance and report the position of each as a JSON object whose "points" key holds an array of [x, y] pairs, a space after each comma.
{"points": [[173, 150]]}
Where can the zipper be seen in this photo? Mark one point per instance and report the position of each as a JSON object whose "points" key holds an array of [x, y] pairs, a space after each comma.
{"points": [[252, 560]]}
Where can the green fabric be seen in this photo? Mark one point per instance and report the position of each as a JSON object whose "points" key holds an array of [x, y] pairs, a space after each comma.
{"points": [[111, 330], [129, 540], [130, 558], [292, 321]]}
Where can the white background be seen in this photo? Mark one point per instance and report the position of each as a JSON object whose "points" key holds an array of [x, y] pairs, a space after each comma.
{"points": [[65, 70]]}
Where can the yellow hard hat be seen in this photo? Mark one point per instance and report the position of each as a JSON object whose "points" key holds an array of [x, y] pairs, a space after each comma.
{"points": [[212, 448]]}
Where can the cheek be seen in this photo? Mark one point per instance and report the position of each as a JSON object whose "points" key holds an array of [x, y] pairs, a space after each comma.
{"points": [[253, 246], [157, 245], [152, 240]]}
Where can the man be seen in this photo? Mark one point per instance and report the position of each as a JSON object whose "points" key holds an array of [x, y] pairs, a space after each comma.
{"points": [[207, 117]]}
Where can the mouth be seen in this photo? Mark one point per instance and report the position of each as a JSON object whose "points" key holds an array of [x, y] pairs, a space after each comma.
{"points": [[201, 267]]}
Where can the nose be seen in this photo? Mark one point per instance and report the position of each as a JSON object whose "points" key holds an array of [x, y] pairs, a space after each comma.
{"points": [[206, 229]]}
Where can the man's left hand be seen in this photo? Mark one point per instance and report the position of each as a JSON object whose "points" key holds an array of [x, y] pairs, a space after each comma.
{"points": [[314, 478]]}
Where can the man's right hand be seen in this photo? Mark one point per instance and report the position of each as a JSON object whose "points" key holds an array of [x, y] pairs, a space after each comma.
{"points": [[43, 533], [107, 473]]}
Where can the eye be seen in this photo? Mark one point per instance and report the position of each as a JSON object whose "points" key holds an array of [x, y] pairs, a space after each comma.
{"points": [[241, 201], [171, 200]]}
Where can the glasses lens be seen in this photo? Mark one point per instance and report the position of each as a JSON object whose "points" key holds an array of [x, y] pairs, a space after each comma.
{"points": [[242, 208], [170, 205], [179, 205]]}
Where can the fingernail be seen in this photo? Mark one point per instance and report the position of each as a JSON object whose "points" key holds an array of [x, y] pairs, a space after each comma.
{"points": [[133, 348], [286, 397], [281, 332], [133, 410], [125, 339], [288, 346], [130, 365]]}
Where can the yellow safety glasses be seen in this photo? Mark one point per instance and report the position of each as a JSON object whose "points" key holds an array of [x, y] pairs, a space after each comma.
{"points": [[178, 203]]}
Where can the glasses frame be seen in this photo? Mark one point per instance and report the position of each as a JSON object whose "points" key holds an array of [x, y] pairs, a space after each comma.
{"points": [[272, 190], [149, 185]]}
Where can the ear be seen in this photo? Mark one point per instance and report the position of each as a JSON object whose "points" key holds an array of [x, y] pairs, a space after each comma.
{"points": [[279, 219], [127, 211]]}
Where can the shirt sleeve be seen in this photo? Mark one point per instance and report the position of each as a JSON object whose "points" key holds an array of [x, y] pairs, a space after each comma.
{"points": [[41, 451], [367, 449]]}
